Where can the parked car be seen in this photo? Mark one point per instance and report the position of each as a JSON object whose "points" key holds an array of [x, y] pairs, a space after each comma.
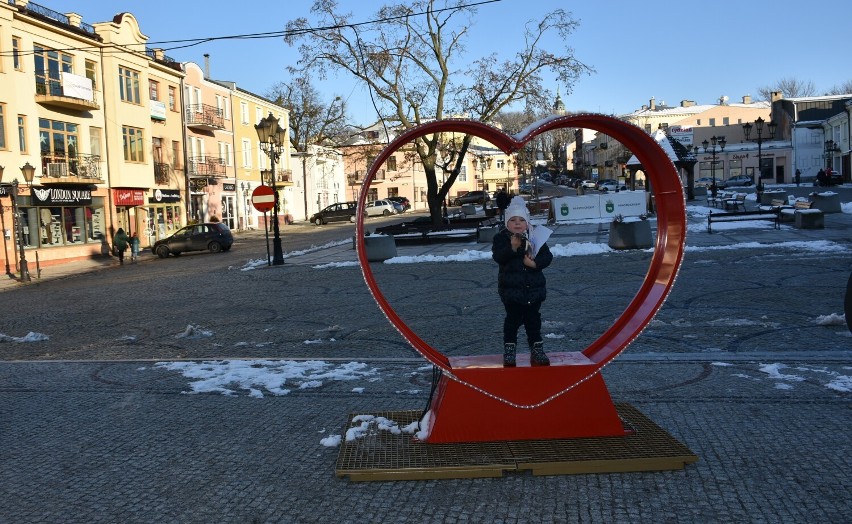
{"points": [[210, 236], [406, 204], [611, 185], [735, 181], [379, 208], [472, 197], [589, 184], [527, 189], [336, 212], [704, 181], [398, 207]]}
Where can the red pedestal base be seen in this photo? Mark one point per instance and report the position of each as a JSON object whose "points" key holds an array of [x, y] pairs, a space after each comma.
{"points": [[461, 413]]}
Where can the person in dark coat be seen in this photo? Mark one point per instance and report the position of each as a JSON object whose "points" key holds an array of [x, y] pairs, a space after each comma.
{"points": [[821, 178], [521, 283], [502, 203], [119, 243]]}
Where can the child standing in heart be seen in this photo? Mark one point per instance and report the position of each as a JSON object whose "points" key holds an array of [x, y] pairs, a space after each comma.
{"points": [[522, 253]]}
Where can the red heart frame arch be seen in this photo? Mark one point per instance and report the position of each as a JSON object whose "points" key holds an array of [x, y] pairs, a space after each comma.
{"points": [[477, 399]]}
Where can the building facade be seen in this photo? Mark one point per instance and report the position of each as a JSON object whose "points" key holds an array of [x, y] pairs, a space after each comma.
{"points": [[87, 121]]}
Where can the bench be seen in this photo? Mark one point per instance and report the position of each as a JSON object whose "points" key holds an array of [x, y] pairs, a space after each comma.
{"points": [[720, 197], [775, 204], [744, 216], [425, 231], [788, 213], [735, 202]]}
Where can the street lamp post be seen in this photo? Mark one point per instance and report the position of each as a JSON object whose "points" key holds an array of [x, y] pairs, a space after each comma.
{"points": [[482, 159], [29, 173], [245, 188], [714, 141], [272, 141], [3, 229], [758, 126], [830, 147]]}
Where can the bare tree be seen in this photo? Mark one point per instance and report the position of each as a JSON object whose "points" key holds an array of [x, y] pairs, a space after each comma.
{"points": [[790, 87], [408, 63], [312, 121], [841, 89]]}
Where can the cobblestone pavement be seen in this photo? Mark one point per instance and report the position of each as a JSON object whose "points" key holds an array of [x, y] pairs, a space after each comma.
{"points": [[734, 365]]}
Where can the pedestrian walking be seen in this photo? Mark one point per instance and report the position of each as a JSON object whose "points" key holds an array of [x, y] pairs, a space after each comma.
{"points": [[119, 245], [798, 177], [134, 247], [502, 203], [521, 282]]}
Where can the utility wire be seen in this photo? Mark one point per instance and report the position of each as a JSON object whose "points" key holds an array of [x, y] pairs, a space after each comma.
{"points": [[191, 42]]}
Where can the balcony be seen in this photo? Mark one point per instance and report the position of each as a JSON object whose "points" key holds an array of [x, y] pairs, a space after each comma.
{"points": [[204, 117], [51, 92], [71, 169], [206, 166], [161, 173]]}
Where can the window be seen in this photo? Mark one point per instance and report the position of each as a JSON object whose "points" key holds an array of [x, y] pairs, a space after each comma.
{"points": [[244, 113], [22, 133], [261, 158], [154, 90], [698, 121], [175, 154], [222, 106], [648, 128], [48, 66], [172, 98], [58, 140], [258, 114], [92, 73], [247, 153], [726, 121], [501, 164], [712, 122], [392, 163], [129, 85], [462, 174], [2, 126], [95, 141], [133, 143], [16, 53], [225, 153], [50, 225]]}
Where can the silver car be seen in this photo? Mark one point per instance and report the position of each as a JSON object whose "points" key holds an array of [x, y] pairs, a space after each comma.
{"points": [[379, 208]]}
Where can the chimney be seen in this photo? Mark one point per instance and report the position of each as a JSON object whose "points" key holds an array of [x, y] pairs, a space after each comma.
{"points": [[747, 99], [207, 66], [652, 103], [687, 103], [775, 96]]}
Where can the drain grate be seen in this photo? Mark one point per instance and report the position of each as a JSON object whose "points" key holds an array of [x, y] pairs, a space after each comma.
{"points": [[381, 455]]}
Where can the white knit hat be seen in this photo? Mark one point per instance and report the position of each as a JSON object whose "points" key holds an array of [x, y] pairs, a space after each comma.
{"points": [[517, 208]]}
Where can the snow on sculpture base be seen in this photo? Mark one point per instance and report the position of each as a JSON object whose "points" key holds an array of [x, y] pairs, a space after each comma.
{"points": [[379, 455]]}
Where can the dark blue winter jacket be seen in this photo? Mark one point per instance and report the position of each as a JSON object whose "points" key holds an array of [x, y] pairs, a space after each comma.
{"points": [[516, 282]]}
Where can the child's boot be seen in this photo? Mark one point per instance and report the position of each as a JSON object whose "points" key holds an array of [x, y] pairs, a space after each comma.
{"points": [[537, 355], [509, 355]]}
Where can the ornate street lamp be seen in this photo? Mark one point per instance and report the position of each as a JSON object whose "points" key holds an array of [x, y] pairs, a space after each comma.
{"points": [[482, 160], [758, 126], [272, 141], [29, 173], [714, 141]]}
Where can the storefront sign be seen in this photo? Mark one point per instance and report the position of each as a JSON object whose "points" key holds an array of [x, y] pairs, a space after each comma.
{"points": [[128, 197], [198, 184], [165, 196], [229, 187], [51, 196], [5, 190]]}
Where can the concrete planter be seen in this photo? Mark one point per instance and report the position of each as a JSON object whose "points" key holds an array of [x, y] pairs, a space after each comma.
{"points": [[767, 197], [810, 219], [469, 209], [486, 234], [379, 247], [826, 202], [630, 235]]}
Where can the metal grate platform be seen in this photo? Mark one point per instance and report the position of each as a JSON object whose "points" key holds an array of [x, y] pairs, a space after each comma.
{"points": [[381, 455]]}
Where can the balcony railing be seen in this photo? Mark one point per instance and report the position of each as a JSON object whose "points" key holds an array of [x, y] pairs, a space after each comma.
{"points": [[205, 116], [49, 91], [206, 166], [70, 169], [40, 11], [161, 173]]}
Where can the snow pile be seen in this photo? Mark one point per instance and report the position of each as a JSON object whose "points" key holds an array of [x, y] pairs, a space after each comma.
{"points": [[831, 320], [29, 337], [255, 376], [193, 332]]}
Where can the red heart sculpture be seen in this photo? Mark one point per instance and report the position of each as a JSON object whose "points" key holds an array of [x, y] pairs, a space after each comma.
{"points": [[668, 254]]}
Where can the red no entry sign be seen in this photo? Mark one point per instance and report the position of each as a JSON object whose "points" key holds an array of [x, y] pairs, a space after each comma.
{"points": [[263, 198]]}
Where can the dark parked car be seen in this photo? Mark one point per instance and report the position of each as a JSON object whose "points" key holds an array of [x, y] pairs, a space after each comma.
{"points": [[406, 204], [336, 212], [735, 181], [210, 236], [472, 197]]}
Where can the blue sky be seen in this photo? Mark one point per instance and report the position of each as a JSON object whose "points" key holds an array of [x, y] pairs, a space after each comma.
{"points": [[668, 50]]}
